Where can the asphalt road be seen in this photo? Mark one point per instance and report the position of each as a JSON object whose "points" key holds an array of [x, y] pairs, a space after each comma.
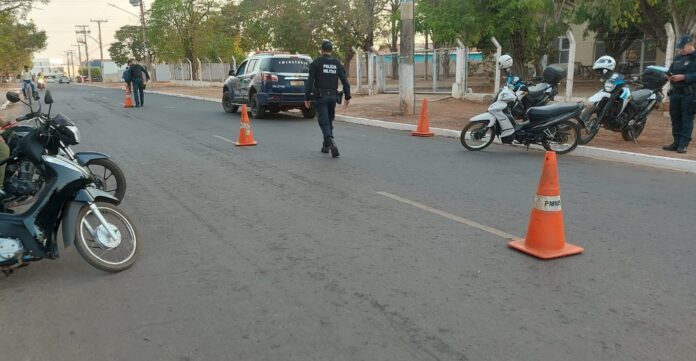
{"points": [[278, 252]]}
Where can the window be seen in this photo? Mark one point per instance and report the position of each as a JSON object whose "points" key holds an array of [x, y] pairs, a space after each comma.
{"points": [[563, 49], [240, 70], [252, 66], [600, 49], [289, 65]]}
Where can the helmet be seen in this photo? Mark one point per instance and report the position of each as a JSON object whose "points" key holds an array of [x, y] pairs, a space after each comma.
{"points": [[604, 64], [326, 45], [505, 61]]}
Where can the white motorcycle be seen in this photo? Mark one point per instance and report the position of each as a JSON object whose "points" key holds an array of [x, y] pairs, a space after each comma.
{"points": [[549, 125]]}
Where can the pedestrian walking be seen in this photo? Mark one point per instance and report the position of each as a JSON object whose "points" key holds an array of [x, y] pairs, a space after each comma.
{"points": [[682, 95], [138, 76], [322, 86]]}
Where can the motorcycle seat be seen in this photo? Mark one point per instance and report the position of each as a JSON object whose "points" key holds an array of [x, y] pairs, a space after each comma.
{"points": [[546, 112], [641, 96]]}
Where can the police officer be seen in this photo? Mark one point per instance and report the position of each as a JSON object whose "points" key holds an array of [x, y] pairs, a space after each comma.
{"points": [[324, 73], [682, 100]]}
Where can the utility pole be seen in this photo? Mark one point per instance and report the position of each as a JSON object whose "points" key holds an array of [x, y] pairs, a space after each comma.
{"points": [[407, 79], [84, 31], [72, 64], [101, 49], [79, 56], [142, 21], [67, 60]]}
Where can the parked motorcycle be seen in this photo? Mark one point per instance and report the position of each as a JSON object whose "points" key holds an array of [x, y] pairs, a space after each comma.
{"points": [[619, 109], [540, 91], [102, 233], [549, 125], [22, 179]]}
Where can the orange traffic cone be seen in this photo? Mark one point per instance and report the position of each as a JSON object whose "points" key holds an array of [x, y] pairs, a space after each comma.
{"points": [[423, 129], [545, 234], [128, 102], [246, 135]]}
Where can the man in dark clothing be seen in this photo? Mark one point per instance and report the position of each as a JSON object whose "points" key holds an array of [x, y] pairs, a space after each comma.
{"points": [[682, 99], [138, 82], [322, 84]]}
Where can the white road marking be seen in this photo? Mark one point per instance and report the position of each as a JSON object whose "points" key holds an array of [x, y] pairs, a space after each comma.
{"points": [[451, 216], [223, 139]]}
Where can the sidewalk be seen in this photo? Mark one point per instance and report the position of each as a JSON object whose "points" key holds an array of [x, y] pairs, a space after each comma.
{"points": [[448, 113]]}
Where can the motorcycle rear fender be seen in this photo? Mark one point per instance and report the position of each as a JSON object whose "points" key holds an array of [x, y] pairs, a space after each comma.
{"points": [[85, 157], [599, 96], [72, 209], [485, 117]]}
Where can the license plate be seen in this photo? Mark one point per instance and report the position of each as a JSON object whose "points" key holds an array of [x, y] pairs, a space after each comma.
{"points": [[297, 83]]}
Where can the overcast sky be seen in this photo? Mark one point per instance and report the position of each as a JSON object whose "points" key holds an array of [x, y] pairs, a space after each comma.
{"points": [[59, 17]]}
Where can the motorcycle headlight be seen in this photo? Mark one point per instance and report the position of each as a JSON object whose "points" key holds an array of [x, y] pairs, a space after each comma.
{"points": [[76, 133], [69, 134], [609, 86]]}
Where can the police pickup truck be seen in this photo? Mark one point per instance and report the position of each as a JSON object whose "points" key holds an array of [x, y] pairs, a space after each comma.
{"points": [[268, 83]]}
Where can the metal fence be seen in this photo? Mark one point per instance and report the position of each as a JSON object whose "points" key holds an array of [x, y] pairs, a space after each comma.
{"points": [[198, 71]]}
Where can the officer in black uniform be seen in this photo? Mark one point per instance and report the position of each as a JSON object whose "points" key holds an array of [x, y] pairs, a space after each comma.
{"points": [[322, 85], [682, 99]]}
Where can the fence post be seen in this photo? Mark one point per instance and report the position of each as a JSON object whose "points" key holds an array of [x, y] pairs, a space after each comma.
{"points": [[458, 88], [190, 71], [358, 68], [200, 71], [669, 52], [182, 71], [571, 65], [210, 70], [436, 69], [370, 73], [498, 54], [380, 76]]}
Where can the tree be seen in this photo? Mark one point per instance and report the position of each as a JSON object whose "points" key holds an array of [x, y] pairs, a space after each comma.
{"points": [[648, 16], [177, 27], [8, 6], [618, 39], [128, 44], [394, 14], [18, 41]]}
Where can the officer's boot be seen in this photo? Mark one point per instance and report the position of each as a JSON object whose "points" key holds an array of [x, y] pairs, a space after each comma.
{"points": [[333, 148], [325, 146], [671, 147]]}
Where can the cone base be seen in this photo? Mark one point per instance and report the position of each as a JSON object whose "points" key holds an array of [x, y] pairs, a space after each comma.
{"points": [[422, 134], [238, 144], [567, 250]]}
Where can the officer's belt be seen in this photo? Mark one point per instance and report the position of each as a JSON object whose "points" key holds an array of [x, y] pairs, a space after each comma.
{"points": [[683, 90], [321, 92]]}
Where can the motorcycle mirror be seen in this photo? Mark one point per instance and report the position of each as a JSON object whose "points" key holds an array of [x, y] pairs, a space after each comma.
{"points": [[13, 97], [48, 99]]}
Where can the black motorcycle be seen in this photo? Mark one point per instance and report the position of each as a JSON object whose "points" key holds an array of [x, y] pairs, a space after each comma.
{"points": [[22, 180], [538, 92], [619, 109], [103, 234]]}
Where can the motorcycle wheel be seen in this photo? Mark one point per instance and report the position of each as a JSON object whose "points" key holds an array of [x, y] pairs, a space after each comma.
{"points": [[566, 136], [637, 130], [99, 249], [477, 136], [108, 177], [591, 125]]}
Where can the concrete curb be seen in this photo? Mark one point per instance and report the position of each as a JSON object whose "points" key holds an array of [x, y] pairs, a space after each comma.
{"points": [[654, 161]]}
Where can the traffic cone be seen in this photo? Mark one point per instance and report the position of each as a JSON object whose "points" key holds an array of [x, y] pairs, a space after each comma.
{"points": [[423, 129], [545, 234], [128, 102], [246, 135]]}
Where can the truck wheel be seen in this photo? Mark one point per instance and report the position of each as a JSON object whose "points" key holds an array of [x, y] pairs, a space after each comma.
{"points": [[227, 102], [257, 110]]}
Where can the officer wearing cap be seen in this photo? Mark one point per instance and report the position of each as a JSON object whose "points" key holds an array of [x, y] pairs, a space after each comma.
{"points": [[322, 85], [682, 99]]}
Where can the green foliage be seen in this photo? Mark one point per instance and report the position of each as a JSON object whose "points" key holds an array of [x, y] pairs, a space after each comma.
{"points": [[128, 44], [18, 42], [96, 71]]}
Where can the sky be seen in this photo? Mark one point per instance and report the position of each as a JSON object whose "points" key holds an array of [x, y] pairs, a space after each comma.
{"points": [[59, 17]]}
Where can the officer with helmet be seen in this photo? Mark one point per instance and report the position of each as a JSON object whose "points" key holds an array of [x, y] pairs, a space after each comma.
{"points": [[682, 77], [322, 85]]}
